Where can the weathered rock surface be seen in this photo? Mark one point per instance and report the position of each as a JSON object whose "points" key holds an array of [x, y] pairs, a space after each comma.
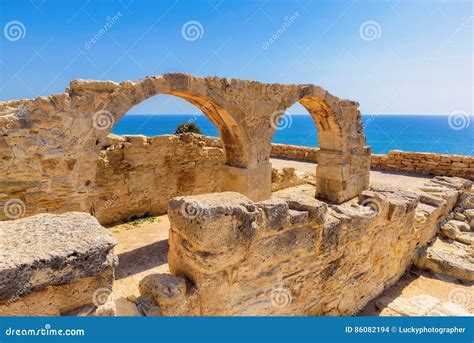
{"points": [[295, 255], [126, 308], [422, 305], [452, 253], [448, 258], [147, 306], [289, 177], [168, 291], [50, 254]]}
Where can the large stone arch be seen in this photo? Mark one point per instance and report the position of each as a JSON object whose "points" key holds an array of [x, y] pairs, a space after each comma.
{"points": [[126, 95]]}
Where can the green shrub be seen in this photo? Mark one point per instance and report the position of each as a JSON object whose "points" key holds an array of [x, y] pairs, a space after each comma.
{"points": [[188, 127]]}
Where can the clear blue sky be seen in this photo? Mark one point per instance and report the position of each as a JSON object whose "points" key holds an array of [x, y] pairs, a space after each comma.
{"points": [[419, 59]]}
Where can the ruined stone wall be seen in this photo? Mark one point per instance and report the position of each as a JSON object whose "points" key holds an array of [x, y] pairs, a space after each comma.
{"points": [[293, 254], [396, 160], [137, 175], [133, 176], [294, 152], [425, 163]]}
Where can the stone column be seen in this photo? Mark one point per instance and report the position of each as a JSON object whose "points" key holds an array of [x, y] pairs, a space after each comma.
{"points": [[255, 182], [344, 162], [340, 177]]}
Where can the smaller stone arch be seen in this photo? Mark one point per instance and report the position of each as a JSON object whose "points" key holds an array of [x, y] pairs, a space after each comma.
{"points": [[343, 161]]}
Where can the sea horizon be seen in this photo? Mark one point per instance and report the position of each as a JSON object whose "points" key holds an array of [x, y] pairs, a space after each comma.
{"points": [[436, 133]]}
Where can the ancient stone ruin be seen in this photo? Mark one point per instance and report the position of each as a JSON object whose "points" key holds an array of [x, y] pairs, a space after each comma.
{"points": [[50, 146], [243, 240]]}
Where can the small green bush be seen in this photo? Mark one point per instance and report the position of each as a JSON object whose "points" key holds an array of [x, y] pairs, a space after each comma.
{"points": [[188, 127]]}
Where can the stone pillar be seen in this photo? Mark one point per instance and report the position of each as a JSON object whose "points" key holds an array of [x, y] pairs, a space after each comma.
{"points": [[339, 177], [344, 162], [255, 182]]}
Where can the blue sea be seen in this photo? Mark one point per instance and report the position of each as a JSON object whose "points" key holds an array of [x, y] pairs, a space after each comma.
{"points": [[425, 133]]}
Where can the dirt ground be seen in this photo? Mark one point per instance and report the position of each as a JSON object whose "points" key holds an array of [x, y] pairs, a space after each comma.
{"points": [[143, 247]]}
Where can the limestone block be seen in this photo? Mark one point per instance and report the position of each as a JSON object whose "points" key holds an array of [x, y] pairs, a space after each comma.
{"points": [[254, 182], [126, 308], [215, 222], [168, 291], [81, 297], [399, 202], [147, 306], [421, 305], [50, 250], [448, 258], [452, 182], [296, 201], [276, 211]]}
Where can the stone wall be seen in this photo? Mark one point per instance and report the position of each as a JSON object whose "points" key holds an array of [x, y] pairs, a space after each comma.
{"points": [[425, 163], [133, 176], [295, 152], [54, 265], [292, 152], [293, 254], [396, 160], [137, 175]]}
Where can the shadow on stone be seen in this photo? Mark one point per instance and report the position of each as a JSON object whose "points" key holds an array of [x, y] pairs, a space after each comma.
{"points": [[141, 259]]}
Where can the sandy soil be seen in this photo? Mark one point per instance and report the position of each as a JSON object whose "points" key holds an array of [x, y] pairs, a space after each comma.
{"points": [[143, 247]]}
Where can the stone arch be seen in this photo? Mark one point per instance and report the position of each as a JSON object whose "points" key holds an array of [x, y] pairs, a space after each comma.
{"points": [[128, 94], [343, 160], [49, 146]]}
